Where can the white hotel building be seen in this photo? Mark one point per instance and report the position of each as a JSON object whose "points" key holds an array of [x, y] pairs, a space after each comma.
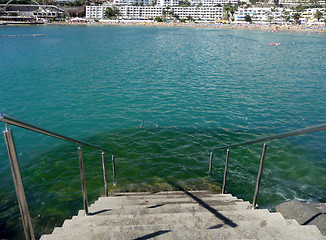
{"points": [[149, 12], [276, 15], [212, 2], [292, 3], [131, 2], [256, 14], [95, 12], [173, 3], [199, 13], [161, 3]]}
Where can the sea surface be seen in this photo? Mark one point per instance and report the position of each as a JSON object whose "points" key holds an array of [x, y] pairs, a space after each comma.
{"points": [[160, 99]]}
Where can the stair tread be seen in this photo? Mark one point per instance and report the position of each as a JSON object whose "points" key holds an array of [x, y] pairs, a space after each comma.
{"points": [[246, 229], [242, 215]]}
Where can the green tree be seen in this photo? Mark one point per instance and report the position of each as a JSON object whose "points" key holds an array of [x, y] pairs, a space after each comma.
{"points": [[286, 16], [111, 13], [184, 3], [15, 14], [274, 9], [229, 10], [318, 15], [270, 17], [248, 18], [190, 18], [300, 8], [158, 19], [296, 17]]}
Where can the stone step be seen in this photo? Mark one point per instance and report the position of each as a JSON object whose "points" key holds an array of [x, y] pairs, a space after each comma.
{"points": [[199, 193], [292, 222], [114, 200], [202, 220], [163, 195], [163, 208], [166, 205], [244, 230], [122, 202], [147, 234]]}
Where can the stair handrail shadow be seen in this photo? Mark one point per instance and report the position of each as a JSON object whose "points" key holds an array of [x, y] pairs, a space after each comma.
{"points": [[209, 208]]}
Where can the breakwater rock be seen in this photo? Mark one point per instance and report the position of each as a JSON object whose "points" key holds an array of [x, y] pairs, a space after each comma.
{"points": [[305, 213]]}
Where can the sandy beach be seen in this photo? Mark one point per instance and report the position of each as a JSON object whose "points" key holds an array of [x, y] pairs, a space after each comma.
{"points": [[244, 26]]}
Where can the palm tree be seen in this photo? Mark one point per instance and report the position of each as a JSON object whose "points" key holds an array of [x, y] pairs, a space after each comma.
{"points": [[229, 9], [300, 8], [248, 18], [296, 17], [112, 12], [270, 17], [286, 16], [318, 15], [226, 10]]}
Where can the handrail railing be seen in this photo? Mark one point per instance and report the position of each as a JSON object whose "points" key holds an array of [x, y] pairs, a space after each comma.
{"points": [[317, 128], [19, 123], [14, 165]]}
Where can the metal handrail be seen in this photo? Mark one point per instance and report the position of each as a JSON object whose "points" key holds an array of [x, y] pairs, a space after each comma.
{"points": [[317, 128], [14, 165], [278, 136], [19, 123]]}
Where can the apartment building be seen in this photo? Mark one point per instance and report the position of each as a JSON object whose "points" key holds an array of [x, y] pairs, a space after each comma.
{"points": [[133, 2], [256, 14], [276, 15], [293, 3], [165, 3], [150, 12], [160, 3], [199, 13], [135, 12], [308, 15], [212, 3], [95, 12]]}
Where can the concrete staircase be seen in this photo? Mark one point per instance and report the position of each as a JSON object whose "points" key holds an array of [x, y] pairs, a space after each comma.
{"points": [[179, 215]]}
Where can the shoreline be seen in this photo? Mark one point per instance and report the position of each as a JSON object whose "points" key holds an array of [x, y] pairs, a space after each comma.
{"points": [[321, 30], [258, 27]]}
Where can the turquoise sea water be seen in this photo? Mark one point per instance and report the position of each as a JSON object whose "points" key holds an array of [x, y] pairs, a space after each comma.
{"points": [[160, 99]]}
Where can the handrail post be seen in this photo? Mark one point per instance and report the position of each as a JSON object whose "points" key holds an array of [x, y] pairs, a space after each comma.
{"points": [[210, 162], [113, 168], [260, 172], [225, 170], [19, 187], [82, 178], [105, 176]]}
